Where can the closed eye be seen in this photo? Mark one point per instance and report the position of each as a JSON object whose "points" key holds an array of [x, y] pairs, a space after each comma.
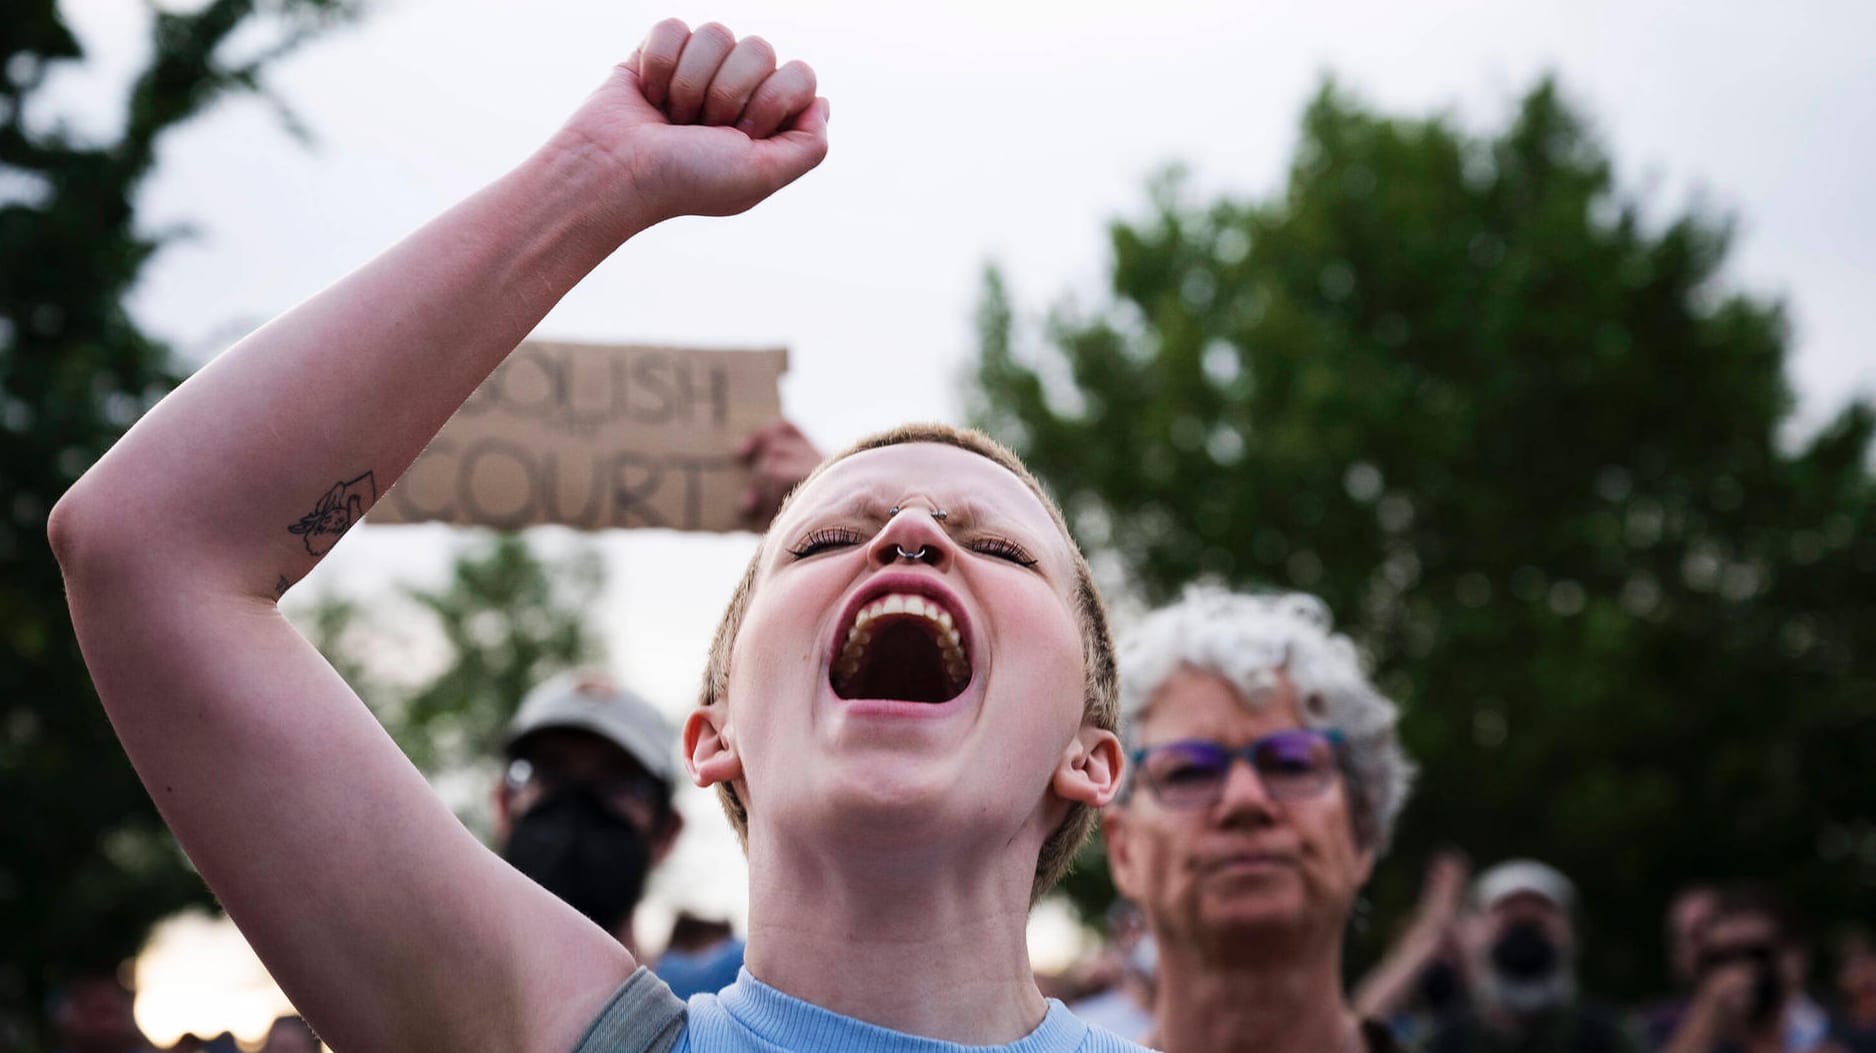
{"points": [[1003, 548], [824, 539]]}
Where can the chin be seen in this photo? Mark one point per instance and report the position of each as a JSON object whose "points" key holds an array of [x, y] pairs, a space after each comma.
{"points": [[888, 792], [1268, 914]]}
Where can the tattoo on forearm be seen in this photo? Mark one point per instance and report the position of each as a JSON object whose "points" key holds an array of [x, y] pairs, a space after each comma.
{"points": [[337, 510]]}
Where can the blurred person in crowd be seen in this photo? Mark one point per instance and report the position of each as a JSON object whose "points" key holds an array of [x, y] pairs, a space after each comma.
{"points": [[1750, 996], [290, 1034], [702, 955], [1420, 981], [1687, 911], [1521, 944], [585, 805], [1126, 973], [1267, 778], [1854, 1025], [94, 1014], [909, 707]]}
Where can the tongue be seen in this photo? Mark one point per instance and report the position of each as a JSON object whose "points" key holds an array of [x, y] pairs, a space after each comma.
{"points": [[902, 662]]}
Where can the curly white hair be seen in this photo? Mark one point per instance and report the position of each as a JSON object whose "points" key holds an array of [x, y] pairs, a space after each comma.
{"points": [[1246, 639]]}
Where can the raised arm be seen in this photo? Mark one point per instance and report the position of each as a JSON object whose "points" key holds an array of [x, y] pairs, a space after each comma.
{"points": [[384, 921], [1386, 989]]}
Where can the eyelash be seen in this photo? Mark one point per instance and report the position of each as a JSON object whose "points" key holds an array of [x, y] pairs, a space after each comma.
{"points": [[822, 540], [835, 537], [1004, 549]]}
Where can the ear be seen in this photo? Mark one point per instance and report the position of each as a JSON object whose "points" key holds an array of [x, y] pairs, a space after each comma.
{"points": [[709, 755], [666, 837], [1117, 834], [1089, 772], [1364, 866]]}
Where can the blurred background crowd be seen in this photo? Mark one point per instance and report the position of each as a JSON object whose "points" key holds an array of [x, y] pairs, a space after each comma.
{"points": [[1588, 484], [1496, 964]]}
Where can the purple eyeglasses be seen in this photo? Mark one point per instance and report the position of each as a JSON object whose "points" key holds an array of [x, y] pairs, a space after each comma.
{"points": [[1190, 774]]}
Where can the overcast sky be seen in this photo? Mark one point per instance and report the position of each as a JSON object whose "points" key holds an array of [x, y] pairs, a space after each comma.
{"points": [[965, 132], [975, 131]]}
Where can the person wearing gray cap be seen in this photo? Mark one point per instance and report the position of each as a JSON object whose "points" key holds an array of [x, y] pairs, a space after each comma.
{"points": [[584, 807], [1521, 941]]}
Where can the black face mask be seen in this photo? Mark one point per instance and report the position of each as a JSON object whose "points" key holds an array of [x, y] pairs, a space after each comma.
{"points": [[575, 847], [1524, 954], [1440, 987]]}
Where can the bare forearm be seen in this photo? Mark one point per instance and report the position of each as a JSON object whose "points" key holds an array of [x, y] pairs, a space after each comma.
{"points": [[1388, 985], [250, 471]]}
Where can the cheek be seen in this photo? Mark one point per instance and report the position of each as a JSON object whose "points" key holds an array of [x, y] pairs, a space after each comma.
{"points": [[777, 645], [768, 678], [1035, 625], [1331, 829]]}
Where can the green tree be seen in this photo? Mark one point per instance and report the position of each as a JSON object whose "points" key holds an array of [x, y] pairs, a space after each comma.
{"points": [[1537, 455], [85, 864], [506, 619]]}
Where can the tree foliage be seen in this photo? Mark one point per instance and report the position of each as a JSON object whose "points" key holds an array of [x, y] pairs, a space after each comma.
{"points": [[505, 620], [1537, 455], [85, 864]]}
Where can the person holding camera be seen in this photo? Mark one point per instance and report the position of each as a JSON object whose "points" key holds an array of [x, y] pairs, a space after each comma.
{"points": [[1749, 997], [1521, 946]]}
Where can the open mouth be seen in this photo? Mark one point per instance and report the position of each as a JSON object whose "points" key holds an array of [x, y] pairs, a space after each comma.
{"points": [[902, 646]]}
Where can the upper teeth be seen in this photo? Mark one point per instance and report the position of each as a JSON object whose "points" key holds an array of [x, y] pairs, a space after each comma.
{"points": [[957, 666]]}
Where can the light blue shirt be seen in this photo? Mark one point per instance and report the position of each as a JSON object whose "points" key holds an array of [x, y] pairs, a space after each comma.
{"points": [[749, 1016]]}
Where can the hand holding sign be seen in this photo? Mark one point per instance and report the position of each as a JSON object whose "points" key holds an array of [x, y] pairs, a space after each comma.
{"points": [[779, 458], [600, 437], [701, 123]]}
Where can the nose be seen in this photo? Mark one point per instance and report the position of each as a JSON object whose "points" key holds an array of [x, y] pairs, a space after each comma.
{"points": [[913, 536], [1244, 798]]}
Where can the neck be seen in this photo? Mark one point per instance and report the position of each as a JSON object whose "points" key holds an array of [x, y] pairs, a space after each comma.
{"points": [[933, 947], [1276, 1003]]}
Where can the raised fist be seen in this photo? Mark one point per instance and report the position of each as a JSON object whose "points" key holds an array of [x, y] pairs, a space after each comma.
{"points": [[701, 123]]}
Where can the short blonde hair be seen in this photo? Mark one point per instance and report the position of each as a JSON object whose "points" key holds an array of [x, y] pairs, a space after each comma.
{"points": [[1100, 705]]}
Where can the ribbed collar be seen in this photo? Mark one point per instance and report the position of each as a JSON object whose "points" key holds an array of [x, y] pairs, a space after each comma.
{"points": [[790, 1023]]}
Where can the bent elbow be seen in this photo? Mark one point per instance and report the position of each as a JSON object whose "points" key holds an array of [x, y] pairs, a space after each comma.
{"points": [[63, 527], [77, 530]]}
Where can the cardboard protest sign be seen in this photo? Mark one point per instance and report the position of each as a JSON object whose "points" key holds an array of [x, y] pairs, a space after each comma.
{"points": [[596, 436]]}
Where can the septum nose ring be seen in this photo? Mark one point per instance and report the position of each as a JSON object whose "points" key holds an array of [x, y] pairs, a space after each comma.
{"points": [[916, 557]]}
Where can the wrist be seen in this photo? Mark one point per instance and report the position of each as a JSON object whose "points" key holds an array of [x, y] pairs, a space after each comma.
{"points": [[1424, 930], [595, 186]]}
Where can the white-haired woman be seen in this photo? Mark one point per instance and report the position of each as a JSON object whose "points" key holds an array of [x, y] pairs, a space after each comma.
{"points": [[1266, 780]]}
